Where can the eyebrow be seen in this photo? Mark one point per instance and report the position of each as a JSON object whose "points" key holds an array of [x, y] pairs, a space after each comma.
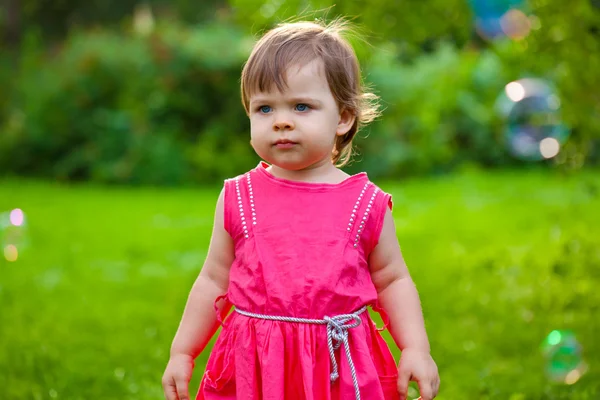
{"points": [[299, 99], [306, 99]]}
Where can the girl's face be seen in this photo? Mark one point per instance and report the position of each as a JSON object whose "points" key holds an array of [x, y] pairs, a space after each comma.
{"points": [[296, 129]]}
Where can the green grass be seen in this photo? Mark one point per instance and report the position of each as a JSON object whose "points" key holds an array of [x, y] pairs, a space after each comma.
{"points": [[500, 260]]}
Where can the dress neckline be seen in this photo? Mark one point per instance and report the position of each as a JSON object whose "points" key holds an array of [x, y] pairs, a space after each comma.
{"points": [[262, 166]]}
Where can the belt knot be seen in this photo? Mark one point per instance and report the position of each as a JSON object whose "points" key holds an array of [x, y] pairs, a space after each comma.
{"points": [[337, 334]]}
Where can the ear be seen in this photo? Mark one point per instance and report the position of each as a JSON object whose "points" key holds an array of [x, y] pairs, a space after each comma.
{"points": [[346, 121]]}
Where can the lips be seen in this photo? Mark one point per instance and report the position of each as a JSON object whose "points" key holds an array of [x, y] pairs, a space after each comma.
{"points": [[284, 144], [284, 141]]}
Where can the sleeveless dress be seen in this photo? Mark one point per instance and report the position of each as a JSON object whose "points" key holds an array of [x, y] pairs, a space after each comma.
{"points": [[301, 250]]}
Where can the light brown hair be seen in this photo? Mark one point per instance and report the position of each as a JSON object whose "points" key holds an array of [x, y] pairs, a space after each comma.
{"points": [[297, 43]]}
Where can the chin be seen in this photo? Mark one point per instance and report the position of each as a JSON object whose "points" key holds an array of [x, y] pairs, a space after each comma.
{"points": [[271, 159], [290, 166]]}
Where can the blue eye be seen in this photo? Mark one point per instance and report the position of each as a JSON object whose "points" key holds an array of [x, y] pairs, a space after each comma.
{"points": [[264, 109], [302, 107]]}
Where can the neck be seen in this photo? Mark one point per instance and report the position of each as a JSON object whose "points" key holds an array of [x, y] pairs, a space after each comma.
{"points": [[322, 172]]}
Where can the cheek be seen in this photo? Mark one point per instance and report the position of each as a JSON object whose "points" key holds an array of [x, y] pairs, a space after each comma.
{"points": [[254, 140], [257, 137], [258, 125], [254, 127]]}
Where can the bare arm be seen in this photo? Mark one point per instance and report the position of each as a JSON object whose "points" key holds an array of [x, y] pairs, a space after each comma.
{"points": [[199, 322], [399, 298], [396, 291]]}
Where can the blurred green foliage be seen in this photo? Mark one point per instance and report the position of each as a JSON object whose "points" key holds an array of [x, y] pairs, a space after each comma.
{"points": [[112, 105], [125, 108], [55, 19], [501, 259], [439, 112]]}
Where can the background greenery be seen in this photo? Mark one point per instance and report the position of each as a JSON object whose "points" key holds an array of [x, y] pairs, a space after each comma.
{"points": [[94, 96], [101, 111], [501, 260]]}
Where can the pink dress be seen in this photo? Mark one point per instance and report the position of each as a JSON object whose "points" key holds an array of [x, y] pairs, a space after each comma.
{"points": [[301, 250]]}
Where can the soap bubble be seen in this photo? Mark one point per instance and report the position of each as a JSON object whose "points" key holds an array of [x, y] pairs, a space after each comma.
{"points": [[11, 253], [531, 110], [496, 19], [564, 360], [17, 218], [13, 233]]}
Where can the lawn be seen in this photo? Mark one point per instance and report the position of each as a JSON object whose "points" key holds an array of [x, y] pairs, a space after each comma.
{"points": [[501, 259]]}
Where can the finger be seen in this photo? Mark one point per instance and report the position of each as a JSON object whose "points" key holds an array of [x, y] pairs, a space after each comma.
{"points": [[170, 389], [182, 389], [426, 391], [403, 380], [436, 386]]}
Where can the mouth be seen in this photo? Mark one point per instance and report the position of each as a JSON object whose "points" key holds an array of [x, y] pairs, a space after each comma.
{"points": [[284, 144]]}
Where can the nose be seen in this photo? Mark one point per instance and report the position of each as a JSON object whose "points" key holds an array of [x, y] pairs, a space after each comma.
{"points": [[283, 122]]}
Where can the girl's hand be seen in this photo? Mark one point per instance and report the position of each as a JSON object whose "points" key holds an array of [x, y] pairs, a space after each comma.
{"points": [[177, 377], [417, 365]]}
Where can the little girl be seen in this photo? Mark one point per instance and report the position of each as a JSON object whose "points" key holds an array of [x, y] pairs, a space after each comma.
{"points": [[300, 248]]}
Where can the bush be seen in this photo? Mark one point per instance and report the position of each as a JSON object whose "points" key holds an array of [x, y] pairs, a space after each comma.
{"points": [[117, 107], [123, 108], [438, 112]]}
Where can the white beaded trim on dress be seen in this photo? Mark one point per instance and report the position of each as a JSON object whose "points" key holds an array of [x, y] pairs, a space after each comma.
{"points": [[241, 205], [356, 205], [363, 220]]}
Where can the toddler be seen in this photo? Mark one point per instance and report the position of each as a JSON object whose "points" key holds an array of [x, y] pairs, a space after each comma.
{"points": [[300, 249]]}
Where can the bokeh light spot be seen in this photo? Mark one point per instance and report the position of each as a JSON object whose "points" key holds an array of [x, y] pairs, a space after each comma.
{"points": [[572, 377], [535, 22], [515, 24], [554, 338], [120, 373], [549, 147], [17, 217], [143, 20], [515, 91], [11, 253]]}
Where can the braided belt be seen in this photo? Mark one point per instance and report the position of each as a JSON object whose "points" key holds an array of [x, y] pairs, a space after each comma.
{"points": [[337, 333]]}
